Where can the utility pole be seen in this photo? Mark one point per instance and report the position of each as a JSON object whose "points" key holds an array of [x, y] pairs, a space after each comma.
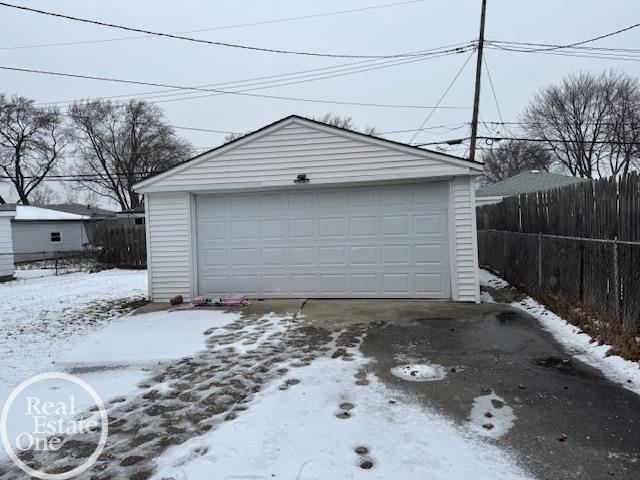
{"points": [[476, 98]]}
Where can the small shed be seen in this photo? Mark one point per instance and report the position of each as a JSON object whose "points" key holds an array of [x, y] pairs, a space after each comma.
{"points": [[300, 208], [41, 233], [7, 212]]}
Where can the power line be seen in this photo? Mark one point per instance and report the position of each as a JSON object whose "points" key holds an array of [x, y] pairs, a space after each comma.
{"points": [[573, 55], [218, 91], [191, 39], [524, 139], [578, 48], [589, 40], [226, 27], [493, 90], [295, 80], [437, 105]]}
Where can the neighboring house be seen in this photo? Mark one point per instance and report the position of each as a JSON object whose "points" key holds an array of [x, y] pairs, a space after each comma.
{"points": [[82, 209], [41, 233], [525, 182], [303, 209], [96, 214], [134, 216], [7, 212]]}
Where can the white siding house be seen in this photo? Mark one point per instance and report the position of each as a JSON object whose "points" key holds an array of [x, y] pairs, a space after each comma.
{"points": [[303, 209], [6, 244]]}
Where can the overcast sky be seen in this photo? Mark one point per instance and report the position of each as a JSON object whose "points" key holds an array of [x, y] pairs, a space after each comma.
{"points": [[396, 29]]}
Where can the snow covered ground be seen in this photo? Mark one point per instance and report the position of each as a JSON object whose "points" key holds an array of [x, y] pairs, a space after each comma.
{"points": [[325, 426], [42, 317], [578, 343]]}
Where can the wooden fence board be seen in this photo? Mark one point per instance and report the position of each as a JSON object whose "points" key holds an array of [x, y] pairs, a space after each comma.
{"points": [[121, 245], [585, 237]]}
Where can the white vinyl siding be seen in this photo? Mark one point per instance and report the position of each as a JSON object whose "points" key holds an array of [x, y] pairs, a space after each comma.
{"points": [[276, 158], [169, 245], [6, 248], [464, 246]]}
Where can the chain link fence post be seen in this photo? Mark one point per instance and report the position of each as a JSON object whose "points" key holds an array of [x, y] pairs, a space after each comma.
{"points": [[616, 281]]}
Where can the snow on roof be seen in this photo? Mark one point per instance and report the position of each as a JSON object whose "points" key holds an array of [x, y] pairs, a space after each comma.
{"points": [[27, 212]]}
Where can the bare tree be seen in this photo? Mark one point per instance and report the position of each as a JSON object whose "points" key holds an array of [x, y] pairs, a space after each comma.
{"points": [[585, 122], [31, 143], [120, 145], [344, 122], [514, 157], [622, 130], [43, 195], [328, 118]]}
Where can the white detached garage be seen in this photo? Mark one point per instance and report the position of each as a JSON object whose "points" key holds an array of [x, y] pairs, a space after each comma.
{"points": [[303, 209]]}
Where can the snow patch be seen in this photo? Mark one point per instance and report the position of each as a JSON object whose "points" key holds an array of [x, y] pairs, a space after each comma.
{"points": [[486, 297], [420, 372], [491, 416], [488, 279], [295, 434], [150, 337]]}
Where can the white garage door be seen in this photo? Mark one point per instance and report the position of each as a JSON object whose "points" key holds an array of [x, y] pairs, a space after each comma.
{"points": [[386, 241]]}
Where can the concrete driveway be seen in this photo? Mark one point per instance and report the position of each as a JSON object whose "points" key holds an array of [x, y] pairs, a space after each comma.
{"points": [[301, 388], [571, 422]]}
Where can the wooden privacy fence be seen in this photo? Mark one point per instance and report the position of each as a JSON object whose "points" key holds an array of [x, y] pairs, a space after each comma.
{"points": [[121, 245], [578, 245]]}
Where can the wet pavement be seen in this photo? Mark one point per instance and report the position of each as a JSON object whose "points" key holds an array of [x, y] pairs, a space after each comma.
{"points": [[570, 422]]}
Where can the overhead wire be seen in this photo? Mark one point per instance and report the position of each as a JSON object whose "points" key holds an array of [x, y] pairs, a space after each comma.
{"points": [[417, 132], [192, 39], [211, 29], [261, 85], [219, 91]]}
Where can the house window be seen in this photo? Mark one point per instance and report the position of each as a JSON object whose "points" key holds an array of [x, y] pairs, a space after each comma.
{"points": [[139, 221], [56, 237]]}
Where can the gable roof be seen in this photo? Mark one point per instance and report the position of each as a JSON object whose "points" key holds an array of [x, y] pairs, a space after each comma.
{"points": [[80, 209], [417, 152], [527, 182]]}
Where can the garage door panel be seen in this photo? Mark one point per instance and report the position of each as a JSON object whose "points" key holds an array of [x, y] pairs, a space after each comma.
{"points": [[389, 241], [332, 256], [396, 283], [248, 284], [365, 283], [395, 254], [362, 226], [395, 196], [363, 255], [429, 224], [275, 284], [392, 225], [433, 254], [334, 284], [362, 198], [273, 256], [428, 283], [331, 227], [302, 256], [304, 284]]}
